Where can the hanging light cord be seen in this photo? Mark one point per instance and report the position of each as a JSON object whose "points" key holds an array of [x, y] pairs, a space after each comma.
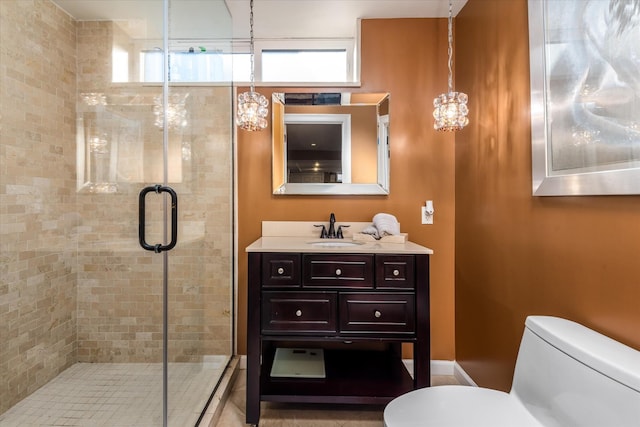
{"points": [[252, 106], [450, 50], [251, 50], [451, 109]]}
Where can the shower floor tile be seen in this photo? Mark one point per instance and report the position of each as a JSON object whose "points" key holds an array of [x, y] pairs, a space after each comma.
{"points": [[118, 395]]}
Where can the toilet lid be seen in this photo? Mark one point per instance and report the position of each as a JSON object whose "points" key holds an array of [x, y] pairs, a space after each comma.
{"points": [[457, 406]]}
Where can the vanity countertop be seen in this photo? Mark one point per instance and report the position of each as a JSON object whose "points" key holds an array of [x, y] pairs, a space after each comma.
{"points": [[301, 236], [311, 245]]}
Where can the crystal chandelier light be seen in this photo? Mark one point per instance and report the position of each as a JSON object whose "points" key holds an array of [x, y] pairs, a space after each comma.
{"points": [[451, 110], [94, 98], [176, 111], [252, 106], [99, 144]]}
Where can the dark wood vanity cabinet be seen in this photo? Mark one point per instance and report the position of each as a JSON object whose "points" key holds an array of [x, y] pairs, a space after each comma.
{"points": [[359, 308]]}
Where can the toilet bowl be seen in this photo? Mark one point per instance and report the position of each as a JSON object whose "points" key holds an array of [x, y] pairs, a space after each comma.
{"points": [[566, 376], [457, 406]]}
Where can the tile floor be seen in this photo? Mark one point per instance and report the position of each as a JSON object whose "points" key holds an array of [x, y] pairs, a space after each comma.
{"points": [[305, 415], [118, 395]]}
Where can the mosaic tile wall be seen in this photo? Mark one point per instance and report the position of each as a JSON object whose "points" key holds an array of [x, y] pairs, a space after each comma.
{"points": [[37, 198], [75, 285]]}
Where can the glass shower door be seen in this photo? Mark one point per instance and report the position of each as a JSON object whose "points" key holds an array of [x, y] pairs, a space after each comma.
{"points": [[95, 329], [155, 134], [119, 151], [199, 134]]}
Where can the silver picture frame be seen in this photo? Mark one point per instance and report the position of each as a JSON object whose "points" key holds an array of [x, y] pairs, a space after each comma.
{"points": [[585, 97]]}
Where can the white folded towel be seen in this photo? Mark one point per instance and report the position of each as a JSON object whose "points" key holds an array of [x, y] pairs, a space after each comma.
{"points": [[371, 230], [386, 224]]}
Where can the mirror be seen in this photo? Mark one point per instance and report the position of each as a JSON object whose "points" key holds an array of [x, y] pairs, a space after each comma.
{"points": [[330, 143]]}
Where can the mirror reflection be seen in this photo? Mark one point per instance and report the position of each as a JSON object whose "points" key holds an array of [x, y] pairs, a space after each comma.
{"points": [[330, 143]]}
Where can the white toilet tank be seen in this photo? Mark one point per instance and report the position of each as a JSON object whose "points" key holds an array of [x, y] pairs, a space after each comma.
{"points": [[568, 375]]}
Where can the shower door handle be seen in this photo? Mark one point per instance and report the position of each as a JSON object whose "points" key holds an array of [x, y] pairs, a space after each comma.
{"points": [[157, 248]]}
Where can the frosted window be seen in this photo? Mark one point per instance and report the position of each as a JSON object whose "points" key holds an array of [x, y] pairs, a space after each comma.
{"points": [[187, 67]]}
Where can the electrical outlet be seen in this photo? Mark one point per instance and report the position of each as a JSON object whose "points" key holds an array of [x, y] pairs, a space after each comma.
{"points": [[426, 217]]}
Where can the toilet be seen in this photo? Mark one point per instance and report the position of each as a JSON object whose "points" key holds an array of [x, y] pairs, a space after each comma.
{"points": [[566, 375]]}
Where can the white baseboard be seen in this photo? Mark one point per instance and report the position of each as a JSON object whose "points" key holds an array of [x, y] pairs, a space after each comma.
{"points": [[462, 376], [445, 367], [438, 367]]}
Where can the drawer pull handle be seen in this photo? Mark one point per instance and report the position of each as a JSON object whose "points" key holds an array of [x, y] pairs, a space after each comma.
{"points": [[396, 272], [377, 313], [338, 272], [298, 313], [280, 270]]}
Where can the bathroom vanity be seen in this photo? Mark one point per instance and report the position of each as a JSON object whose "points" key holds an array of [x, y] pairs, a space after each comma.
{"points": [[356, 302]]}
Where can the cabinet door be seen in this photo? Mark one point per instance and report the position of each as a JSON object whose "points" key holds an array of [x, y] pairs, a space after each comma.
{"points": [[395, 272], [380, 312], [281, 270], [299, 312], [338, 271]]}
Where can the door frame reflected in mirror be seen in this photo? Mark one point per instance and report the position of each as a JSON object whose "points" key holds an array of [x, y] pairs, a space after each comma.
{"points": [[318, 148]]}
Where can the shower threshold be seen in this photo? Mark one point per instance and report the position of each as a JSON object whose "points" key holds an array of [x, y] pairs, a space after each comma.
{"points": [[119, 394]]}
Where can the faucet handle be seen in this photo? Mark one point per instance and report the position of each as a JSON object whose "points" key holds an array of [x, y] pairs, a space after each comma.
{"points": [[323, 233], [339, 234]]}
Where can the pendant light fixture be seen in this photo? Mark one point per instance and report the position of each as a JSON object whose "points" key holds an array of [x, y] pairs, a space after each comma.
{"points": [[176, 111], [252, 106], [451, 110]]}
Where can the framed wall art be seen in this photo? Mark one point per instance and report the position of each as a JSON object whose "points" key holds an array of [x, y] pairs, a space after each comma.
{"points": [[585, 96]]}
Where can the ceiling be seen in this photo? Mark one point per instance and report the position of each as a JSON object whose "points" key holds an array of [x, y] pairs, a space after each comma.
{"points": [[273, 19]]}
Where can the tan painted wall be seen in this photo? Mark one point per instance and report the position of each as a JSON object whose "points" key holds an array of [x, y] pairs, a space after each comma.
{"points": [[422, 165], [516, 254]]}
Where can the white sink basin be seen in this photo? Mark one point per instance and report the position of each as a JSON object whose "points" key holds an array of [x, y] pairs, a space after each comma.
{"points": [[335, 243]]}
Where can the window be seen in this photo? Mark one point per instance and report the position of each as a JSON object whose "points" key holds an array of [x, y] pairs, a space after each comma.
{"points": [[304, 66], [316, 60], [197, 66], [295, 61], [119, 65]]}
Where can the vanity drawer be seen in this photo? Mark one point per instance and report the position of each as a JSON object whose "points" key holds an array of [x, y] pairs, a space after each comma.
{"points": [[395, 272], [280, 270], [296, 312], [338, 271], [379, 312]]}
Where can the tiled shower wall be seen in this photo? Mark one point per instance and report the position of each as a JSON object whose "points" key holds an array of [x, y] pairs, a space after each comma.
{"points": [[75, 284], [37, 198], [119, 285]]}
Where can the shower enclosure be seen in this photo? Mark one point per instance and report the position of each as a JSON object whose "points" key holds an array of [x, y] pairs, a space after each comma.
{"points": [[116, 129]]}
